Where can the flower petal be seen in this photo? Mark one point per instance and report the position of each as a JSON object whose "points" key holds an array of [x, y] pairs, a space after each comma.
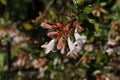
{"points": [[48, 47], [60, 44], [45, 25], [52, 34], [63, 50], [74, 47], [78, 37], [70, 44]]}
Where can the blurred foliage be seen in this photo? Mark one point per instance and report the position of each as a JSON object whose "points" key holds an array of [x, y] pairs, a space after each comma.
{"points": [[2, 57], [20, 24], [4, 2]]}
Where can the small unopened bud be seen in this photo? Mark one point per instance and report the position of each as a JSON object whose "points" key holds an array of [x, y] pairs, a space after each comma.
{"points": [[45, 25], [51, 34]]}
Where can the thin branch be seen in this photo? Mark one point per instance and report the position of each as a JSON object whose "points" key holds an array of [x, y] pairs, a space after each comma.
{"points": [[48, 6], [81, 59]]}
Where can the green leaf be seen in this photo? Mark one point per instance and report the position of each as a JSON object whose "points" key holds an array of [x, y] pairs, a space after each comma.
{"points": [[88, 9], [107, 69], [4, 2], [91, 39], [103, 3], [82, 16], [101, 33], [98, 64], [64, 19], [2, 60], [99, 58], [91, 21], [85, 65], [96, 72], [80, 2], [52, 14], [81, 73], [72, 74]]}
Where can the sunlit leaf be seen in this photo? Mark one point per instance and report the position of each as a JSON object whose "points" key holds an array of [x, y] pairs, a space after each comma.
{"points": [[4, 2], [96, 72], [103, 3], [88, 9], [2, 57], [107, 69], [52, 14], [79, 2], [27, 26]]}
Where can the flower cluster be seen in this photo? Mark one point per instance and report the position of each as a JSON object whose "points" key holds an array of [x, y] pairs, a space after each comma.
{"points": [[61, 34]]}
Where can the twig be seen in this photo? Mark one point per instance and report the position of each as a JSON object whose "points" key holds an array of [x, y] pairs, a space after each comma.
{"points": [[48, 6], [81, 59]]}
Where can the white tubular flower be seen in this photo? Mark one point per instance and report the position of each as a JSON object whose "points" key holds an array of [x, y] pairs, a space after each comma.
{"points": [[48, 47], [70, 44], [79, 39], [73, 48], [77, 45]]}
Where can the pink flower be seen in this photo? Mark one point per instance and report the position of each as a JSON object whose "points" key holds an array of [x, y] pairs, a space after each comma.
{"points": [[38, 63], [61, 33], [21, 60], [3, 32], [48, 47], [45, 25]]}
